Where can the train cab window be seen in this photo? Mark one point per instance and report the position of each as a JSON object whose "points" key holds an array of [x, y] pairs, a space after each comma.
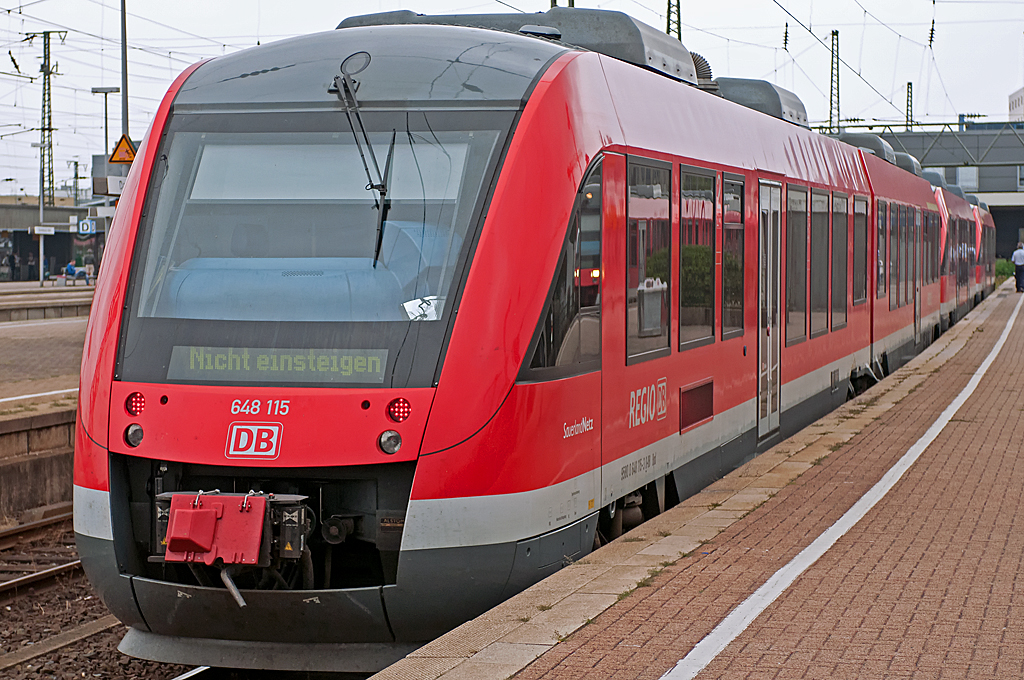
{"points": [[732, 256], [882, 256], [796, 264], [648, 265], [819, 263], [860, 251], [894, 256], [840, 258], [696, 257], [570, 333]]}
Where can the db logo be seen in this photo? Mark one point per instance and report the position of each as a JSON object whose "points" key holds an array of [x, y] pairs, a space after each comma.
{"points": [[662, 398], [254, 440]]}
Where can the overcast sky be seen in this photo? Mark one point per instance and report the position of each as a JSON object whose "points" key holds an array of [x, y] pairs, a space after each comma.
{"points": [[975, 61]]}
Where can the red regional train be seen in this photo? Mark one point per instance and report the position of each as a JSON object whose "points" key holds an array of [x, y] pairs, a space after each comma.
{"points": [[381, 344]]}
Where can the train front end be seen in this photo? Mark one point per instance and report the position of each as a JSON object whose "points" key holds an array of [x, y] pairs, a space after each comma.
{"points": [[277, 296]]}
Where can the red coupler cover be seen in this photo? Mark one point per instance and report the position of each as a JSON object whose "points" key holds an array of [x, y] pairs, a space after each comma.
{"points": [[210, 526]]}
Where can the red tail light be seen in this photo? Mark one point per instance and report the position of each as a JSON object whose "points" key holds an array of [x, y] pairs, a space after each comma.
{"points": [[399, 409], [135, 404]]}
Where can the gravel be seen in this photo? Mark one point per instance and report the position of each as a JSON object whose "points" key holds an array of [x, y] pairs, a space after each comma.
{"points": [[36, 615]]}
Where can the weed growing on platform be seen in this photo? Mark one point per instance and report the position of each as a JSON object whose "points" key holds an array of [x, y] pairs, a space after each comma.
{"points": [[544, 607], [835, 447], [17, 409], [663, 533], [818, 460], [524, 619], [633, 539], [624, 594], [712, 506]]}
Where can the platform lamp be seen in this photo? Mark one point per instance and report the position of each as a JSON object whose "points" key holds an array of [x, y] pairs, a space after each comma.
{"points": [[106, 133]]}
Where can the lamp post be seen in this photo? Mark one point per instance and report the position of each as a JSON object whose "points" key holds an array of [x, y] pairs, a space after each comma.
{"points": [[42, 250], [106, 132]]}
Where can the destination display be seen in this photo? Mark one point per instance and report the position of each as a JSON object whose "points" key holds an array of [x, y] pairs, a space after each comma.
{"points": [[259, 364]]}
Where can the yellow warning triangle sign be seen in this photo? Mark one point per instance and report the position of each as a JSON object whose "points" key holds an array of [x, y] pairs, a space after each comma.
{"points": [[124, 152]]}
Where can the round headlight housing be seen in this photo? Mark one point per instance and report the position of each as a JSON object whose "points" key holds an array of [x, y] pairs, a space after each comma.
{"points": [[389, 441], [133, 435]]}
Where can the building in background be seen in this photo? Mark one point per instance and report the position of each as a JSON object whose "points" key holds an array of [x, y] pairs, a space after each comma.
{"points": [[984, 158], [1017, 106]]}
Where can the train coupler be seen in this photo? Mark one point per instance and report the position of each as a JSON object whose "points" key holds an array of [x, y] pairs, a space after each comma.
{"points": [[231, 529]]}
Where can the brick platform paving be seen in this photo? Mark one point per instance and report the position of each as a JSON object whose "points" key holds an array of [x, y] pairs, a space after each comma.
{"points": [[924, 586], [927, 585], [39, 356]]}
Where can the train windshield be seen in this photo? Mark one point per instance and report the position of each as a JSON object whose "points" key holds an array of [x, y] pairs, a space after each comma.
{"points": [[268, 225]]}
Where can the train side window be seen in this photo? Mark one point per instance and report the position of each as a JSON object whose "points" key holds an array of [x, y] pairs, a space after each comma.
{"points": [[732, 256], [840, 258], [926, 255], [796, 264], [882, 256], [648, 272], [569, 337], [944, 255], [696, 257], [916, 232], [860, 251], [819, 263], [904, 255], [894, 256]]}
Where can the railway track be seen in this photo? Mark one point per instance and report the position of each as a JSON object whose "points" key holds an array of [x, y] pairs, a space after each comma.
{"points": [[36, 552]]}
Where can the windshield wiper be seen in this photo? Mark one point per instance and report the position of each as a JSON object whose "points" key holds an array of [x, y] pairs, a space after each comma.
{"points": [[385, 200], [346, 89]]}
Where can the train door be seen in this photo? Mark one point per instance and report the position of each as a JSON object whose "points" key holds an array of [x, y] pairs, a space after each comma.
{"points": [[769, 335], [917, 274]]}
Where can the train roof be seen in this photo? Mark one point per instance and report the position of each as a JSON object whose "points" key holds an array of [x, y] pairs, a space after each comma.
{"points": [[893, 183], [615, 34], [405, 63]]}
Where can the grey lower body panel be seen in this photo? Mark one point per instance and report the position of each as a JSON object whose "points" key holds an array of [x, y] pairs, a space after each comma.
{"points": [[438, 590], [349, 630], [114, 588], [281, 656]]}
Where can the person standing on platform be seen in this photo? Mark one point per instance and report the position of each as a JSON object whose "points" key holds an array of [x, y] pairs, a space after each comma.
{"points": [[1018, 266], [33, 273]]}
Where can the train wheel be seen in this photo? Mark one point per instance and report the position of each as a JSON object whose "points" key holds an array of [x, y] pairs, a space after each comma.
{"points": [[609, 522]]}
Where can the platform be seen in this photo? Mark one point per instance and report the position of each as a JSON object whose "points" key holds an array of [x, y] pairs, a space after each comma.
{"points": [[27, 301], [886, 540]]}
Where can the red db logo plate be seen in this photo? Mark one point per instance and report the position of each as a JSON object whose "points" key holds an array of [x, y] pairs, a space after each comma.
{"points": [[254, 440]]}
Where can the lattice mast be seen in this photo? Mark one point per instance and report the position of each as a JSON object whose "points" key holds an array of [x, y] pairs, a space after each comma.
{"points": [[674, 23], [910, 106], [833, 108], [46, 120]]}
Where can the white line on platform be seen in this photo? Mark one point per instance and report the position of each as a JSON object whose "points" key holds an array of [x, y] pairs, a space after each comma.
{"points": [[40, 322], [40, 394], [744, 614]]}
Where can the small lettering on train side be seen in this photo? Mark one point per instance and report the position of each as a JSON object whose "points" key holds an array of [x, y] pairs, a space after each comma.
{"points": [[579, 427], [638, 466]]}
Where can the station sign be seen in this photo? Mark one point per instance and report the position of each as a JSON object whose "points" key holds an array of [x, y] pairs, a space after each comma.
{"points": [[108, 186], [86, 226], [44, 231]]}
